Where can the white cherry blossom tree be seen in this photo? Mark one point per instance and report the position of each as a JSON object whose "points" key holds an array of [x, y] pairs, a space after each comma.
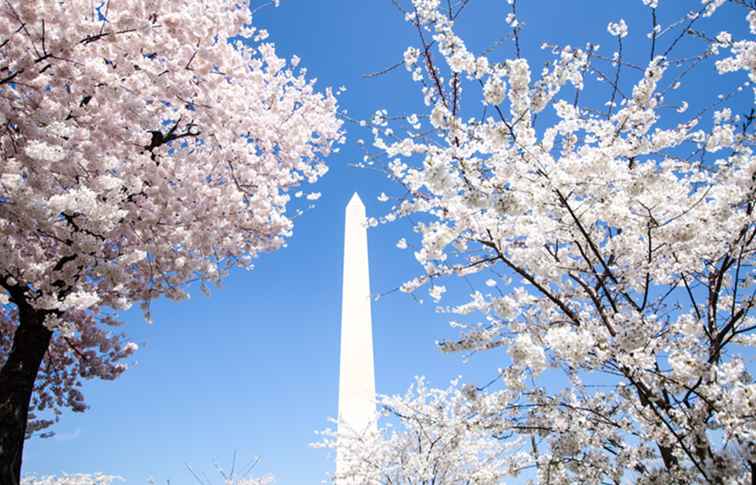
{"points": [[77, 479], [145, 145], [612, 241], [237, 474], [441, 437]]}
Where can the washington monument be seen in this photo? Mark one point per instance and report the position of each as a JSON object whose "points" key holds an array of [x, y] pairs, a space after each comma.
{"points": [[356, 373]]}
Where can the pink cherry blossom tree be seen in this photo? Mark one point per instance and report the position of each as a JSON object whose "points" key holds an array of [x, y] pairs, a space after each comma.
{"points": [[145, 145], [609, 230]]}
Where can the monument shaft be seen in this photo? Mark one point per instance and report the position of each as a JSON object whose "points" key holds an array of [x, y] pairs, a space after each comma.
{"points": [[356, 372]]}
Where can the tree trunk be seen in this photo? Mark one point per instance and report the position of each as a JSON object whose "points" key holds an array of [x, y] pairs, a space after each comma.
{"points": [[16, 385]]}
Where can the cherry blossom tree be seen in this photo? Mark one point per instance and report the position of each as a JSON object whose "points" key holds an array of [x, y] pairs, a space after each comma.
{"points": [[440, 438], [605, 211], [237, 474], [102, 479], [78, 479], [145, 145]]}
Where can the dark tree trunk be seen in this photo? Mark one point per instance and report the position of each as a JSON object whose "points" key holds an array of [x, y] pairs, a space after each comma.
{"points": [[16, 385]]}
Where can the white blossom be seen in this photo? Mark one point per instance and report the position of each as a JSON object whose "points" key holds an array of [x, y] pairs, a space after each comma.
{"points": [[617, 29], [493, 91]]}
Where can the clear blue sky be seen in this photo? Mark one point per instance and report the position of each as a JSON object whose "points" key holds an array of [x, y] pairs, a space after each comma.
{"points": [[254, 368]]}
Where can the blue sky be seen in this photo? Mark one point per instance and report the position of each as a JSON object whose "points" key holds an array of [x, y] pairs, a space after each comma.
{"points": [[254, 368]]}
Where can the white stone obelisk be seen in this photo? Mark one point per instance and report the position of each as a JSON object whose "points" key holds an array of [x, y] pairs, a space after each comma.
{"points": [[356, 372]]}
